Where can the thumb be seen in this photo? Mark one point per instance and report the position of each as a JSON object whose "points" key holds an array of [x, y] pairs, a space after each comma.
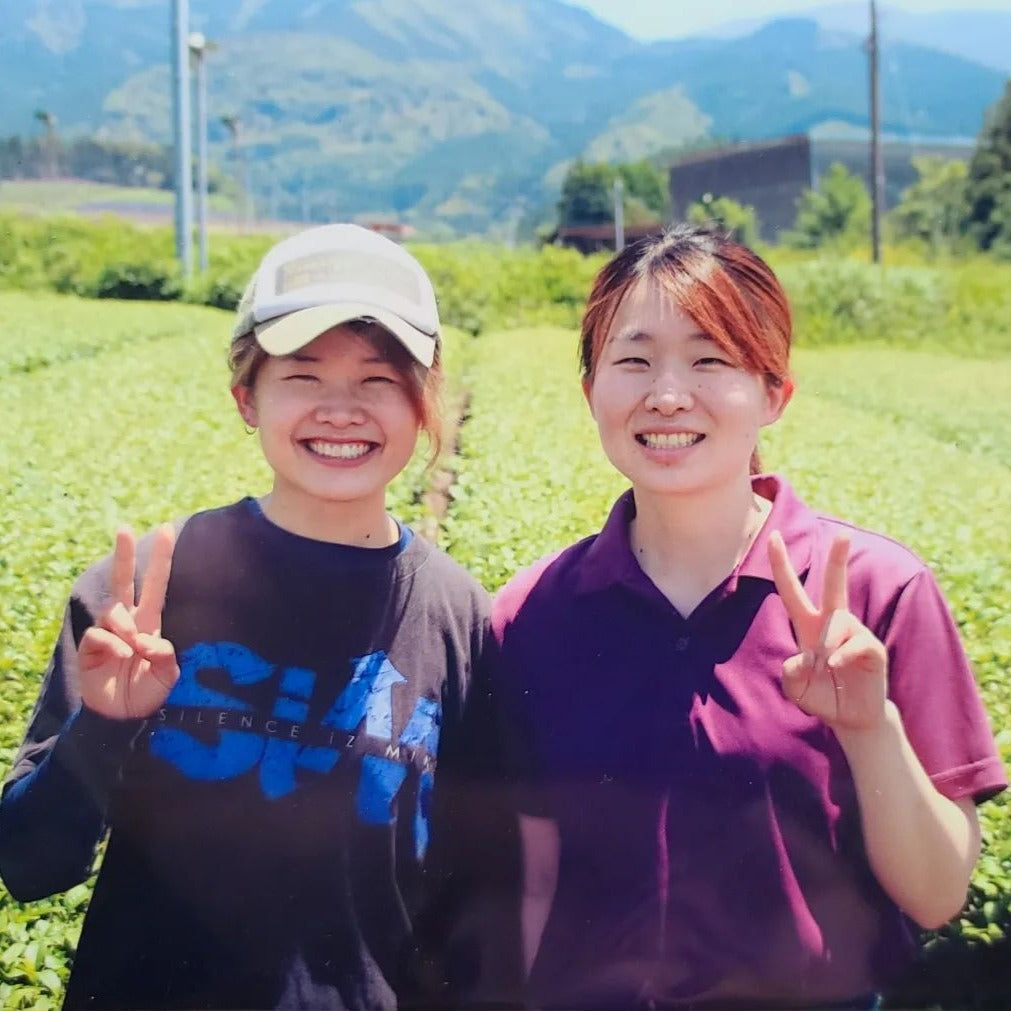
{"points": [[798, 671]]}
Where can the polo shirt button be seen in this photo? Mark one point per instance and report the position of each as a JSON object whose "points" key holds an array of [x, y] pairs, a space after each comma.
{"points": [[681, 644]]}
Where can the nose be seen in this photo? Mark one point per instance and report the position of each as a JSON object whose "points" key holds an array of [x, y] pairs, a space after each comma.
{"points": [[668, 395], [340, 408]]}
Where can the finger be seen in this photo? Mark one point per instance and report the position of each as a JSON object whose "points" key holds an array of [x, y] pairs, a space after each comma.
{"points": [[797, 674], [862, 651], [119, 621], [156, 577], [798, 605], [836, 628], [834, 595], [161, 656], [99, 647], [123, 566]]}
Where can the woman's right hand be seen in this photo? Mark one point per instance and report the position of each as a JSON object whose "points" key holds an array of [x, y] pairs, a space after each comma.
{"points": [[126, 668]]}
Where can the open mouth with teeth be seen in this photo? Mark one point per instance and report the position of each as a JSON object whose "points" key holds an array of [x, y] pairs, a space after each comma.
{"points": [[669, 440], [339, 450]]}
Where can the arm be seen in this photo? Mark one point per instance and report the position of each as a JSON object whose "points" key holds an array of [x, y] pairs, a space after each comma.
{"points": [[107, 675], [541, 851], [52, 817], [921, 846]]}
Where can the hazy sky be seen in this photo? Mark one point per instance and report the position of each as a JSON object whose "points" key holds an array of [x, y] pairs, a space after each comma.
{"points": [[669, 19]]}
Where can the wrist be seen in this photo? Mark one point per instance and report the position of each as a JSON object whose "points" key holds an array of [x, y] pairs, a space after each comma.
{"points": [[887, 731]]}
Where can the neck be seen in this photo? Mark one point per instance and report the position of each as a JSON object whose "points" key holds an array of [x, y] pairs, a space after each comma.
{"points": [[688, 546], [333, 522]]}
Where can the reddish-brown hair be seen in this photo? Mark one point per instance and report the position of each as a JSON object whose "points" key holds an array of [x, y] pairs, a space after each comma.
{"points": [[728, 290], [424, 385]]}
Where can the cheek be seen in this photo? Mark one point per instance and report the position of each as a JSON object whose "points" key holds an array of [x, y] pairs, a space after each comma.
{"points": [[610, 395]]}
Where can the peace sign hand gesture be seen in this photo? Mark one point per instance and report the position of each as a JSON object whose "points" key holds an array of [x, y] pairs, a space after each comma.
{"points": [[126, 668], [840, 674]]}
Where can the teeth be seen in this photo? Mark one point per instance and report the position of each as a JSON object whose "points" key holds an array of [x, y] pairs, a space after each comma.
{"points": [[670, 440], [339, 450]]}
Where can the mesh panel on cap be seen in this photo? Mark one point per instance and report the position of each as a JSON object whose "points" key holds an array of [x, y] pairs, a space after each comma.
{"points": [[349, 268]]}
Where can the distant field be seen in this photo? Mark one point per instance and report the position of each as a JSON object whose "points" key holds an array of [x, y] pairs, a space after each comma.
{"points": [[77, 196]]}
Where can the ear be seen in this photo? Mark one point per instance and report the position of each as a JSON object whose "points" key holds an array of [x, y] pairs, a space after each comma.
{"points": [[777, 397], [246, 403]]}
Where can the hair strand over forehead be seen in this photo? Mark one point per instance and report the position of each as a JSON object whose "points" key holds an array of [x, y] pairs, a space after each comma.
{"points": [[727, 290]]}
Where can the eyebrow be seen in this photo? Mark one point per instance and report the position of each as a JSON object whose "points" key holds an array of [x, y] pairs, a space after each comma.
{"points": [[633, 334]]}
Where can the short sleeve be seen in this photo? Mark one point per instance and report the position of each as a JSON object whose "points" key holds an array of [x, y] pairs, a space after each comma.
{"points": [[933, 686]]}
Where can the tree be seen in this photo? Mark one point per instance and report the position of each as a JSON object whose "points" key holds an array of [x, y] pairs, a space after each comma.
{"points": [[741, 220], [988, 189], [587, 195], [837, 213], [646, 183], [934, 208]]}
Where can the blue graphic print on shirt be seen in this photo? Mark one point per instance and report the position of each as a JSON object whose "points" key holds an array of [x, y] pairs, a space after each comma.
{"points": [[238, 744]]}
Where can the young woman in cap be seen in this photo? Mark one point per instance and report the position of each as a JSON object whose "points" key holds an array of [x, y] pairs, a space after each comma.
{"points": [[744, 736], [254, 702]]}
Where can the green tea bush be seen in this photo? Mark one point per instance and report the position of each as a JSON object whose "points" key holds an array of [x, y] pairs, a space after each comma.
{"points": [[959, 305], [138, 281], [478, 285], [963, 307]]}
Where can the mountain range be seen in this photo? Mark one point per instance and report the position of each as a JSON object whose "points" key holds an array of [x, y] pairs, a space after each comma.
{"points": [[462, 117]]}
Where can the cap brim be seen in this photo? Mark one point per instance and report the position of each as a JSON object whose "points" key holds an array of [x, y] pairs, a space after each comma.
{"points": [[289, 333]]}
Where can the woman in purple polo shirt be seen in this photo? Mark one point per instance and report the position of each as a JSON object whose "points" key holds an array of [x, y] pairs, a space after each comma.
{"points": [[746, 742]]}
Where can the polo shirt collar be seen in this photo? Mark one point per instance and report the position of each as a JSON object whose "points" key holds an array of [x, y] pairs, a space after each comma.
{"points": [[609, 561]]}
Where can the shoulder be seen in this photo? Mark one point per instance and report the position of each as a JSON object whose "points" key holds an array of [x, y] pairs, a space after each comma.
{"points": [[873, 557], [808, 532], [92, 586], [548, 584], [436, 572], [883, 575]]}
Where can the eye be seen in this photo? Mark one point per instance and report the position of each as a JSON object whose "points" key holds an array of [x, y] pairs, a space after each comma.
{"points": [[301, 377], [712, 360], [379, 378], [632, 360]]}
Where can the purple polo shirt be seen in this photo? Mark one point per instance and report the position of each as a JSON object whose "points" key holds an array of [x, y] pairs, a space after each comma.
{"points": [[711, 847]]}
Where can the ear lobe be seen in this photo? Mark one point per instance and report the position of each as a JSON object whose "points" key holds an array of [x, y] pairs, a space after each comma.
{"points": [[246, 404]]}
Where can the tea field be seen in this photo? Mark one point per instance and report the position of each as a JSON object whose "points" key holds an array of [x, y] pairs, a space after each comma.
{"points": [[119, 412]]}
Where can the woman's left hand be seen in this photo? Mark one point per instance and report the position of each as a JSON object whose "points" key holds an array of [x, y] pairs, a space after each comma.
{"points": [[840, 673]]}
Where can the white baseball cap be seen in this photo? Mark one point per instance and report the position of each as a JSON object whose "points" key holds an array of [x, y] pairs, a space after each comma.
{"points": [[334, 274]]}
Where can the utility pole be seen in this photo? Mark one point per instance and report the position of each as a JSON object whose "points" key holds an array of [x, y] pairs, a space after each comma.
{"points": [[200, 46], [182, 134], [619, 215], [50, 157], [877, 162]]}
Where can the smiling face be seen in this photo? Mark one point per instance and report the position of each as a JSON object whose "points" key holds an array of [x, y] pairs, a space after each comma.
{"points": [[337, 423], [676, 413]]}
